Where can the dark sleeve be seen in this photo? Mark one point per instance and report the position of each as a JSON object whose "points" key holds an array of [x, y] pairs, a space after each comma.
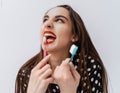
{"points": [[95, 75], [22, 81]]}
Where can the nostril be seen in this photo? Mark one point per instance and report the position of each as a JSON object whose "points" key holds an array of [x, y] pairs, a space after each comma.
{"points": [[49, 26]]}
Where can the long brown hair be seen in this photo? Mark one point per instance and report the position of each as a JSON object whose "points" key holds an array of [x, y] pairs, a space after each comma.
{"points": [[86, 47]]}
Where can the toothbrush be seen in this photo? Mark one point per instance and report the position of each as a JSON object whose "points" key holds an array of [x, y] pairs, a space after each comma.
{"points": [[44, 51], [73, 51]]}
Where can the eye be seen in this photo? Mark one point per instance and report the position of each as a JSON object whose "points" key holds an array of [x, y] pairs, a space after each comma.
{"points": [[44, 20], [59, 20]]}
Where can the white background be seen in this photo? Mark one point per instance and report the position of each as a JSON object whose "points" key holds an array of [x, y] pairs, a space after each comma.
{"points": [[20, 27]]}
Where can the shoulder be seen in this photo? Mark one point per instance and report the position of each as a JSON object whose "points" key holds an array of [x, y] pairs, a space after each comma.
{"points": [[93, 65], [94, 69], [23, 75], [25, 70]]}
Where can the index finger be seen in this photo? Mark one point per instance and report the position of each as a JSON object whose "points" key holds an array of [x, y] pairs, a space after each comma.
{"points": [[43, 62], [74, 71]]}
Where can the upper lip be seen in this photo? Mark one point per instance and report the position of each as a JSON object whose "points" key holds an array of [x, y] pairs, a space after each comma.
{"points": [[49, 33]]}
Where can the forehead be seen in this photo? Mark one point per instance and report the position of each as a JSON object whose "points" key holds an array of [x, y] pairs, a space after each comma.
{"points": [[58, 11]]}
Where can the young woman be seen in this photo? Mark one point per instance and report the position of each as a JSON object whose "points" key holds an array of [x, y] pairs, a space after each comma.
{"points": [[51, 71]]}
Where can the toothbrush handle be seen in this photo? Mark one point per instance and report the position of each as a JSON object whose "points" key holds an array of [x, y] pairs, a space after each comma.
{"points": [[71, 58], [45, 53]]}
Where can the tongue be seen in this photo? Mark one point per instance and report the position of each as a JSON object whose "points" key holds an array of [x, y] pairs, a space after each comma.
{"points": [[50, 40]]}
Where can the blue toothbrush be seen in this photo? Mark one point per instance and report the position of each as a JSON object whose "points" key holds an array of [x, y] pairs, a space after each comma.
{"points": [[73, 51]]}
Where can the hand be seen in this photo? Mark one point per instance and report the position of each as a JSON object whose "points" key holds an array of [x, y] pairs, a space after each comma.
{"points": [[66, 77], [40, 77]]}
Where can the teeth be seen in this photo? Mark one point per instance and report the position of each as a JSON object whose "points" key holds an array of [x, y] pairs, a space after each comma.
{"points": [[46, 35]]}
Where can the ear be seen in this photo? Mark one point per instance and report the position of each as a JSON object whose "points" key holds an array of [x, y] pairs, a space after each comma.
{"points": [[74, 38]]}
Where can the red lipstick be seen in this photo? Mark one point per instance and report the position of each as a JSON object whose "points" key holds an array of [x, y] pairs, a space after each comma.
{"points": [[49, 32], [50, 37]]}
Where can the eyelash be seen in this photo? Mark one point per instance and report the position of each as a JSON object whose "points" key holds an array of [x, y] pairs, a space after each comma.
{"points": [[59, 20], [44, 20]]}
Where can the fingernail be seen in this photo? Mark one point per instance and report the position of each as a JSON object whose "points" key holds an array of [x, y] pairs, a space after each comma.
{"points": [[71, 63], [49, 54]]}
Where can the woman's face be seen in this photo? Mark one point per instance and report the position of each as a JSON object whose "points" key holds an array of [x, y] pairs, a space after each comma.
{"points": [[57, 29]]}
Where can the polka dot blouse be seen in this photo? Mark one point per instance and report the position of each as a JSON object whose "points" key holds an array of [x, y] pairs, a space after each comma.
{"points": [[93, 70]]}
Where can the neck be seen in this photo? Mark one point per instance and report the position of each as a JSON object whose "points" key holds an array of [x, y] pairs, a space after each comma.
{"points": [[57, 58]]}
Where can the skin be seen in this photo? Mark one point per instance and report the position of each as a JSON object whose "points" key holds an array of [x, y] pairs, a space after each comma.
{"points": [[55, 67]]}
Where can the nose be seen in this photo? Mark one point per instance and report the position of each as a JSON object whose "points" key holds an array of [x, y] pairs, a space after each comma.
{"points": [[49, 24]]}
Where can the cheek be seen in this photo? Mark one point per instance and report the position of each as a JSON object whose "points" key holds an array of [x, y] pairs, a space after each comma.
{"points": [[65, 36], [64, 29], [66, 32]]}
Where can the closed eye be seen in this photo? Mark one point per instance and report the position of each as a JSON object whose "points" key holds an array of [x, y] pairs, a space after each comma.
{"points": [[44, 20], [59, 20]]}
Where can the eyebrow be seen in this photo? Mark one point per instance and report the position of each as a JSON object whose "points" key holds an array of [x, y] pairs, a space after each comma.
{"points": [[57, 16]]}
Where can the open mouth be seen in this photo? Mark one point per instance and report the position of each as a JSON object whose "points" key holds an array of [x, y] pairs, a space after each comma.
{"points": [[50, 37]]}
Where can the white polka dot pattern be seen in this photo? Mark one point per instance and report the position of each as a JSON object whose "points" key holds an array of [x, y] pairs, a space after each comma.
{"points": [[93, 70]]}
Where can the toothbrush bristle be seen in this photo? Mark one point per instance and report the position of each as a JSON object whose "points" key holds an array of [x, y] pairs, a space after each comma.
{"points": [[44, 39], [73, 49]]}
